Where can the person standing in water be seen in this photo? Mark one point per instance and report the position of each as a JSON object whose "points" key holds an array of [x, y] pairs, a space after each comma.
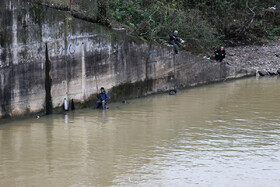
{"points": [[102, 99]]}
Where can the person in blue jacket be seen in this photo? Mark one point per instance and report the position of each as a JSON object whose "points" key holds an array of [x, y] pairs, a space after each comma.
{"points": [[102, 99]]}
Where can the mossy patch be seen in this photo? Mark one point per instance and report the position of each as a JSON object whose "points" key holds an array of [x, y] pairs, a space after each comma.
{"points": [[36, 14], [130, 90]]}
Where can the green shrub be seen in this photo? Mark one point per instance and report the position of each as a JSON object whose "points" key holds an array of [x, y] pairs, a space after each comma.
{"points": [[202, 23], [160, 18]]}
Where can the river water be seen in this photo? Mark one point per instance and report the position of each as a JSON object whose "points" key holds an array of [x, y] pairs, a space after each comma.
{"points": [[224, 134]]}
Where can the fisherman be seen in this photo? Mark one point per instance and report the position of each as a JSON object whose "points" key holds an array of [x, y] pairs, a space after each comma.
{"points": [[175, 41], [220, 54], [102, 99]]}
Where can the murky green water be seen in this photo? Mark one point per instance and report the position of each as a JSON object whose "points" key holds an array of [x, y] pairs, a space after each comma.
{"points": [[226, 134]]}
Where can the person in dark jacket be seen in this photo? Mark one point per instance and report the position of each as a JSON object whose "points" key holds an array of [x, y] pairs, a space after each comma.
{"points": [[175, 41], [220, 54], [102, 99]]}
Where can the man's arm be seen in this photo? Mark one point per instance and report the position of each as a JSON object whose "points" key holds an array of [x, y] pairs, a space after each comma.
{"points": [[217, 52], [106, 97], [178, 39], [172, 36]]}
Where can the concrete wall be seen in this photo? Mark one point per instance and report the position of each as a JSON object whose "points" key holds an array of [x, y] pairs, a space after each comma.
{"points": [[83, 57]]}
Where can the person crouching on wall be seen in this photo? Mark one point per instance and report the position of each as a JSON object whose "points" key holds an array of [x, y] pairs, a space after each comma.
{"points": [[220, 54]]}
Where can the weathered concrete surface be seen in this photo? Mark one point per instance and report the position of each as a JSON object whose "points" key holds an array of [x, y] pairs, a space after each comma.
{"points": [[92, 10], [82, 57]]}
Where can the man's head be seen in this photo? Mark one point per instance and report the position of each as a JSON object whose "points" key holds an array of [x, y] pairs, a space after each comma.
{"points": [[176, 33], [102, 90], [222, 48]]}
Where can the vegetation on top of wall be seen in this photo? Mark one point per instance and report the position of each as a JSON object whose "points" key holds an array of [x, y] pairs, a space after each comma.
{"points": [[155, 21], [202, 23]]}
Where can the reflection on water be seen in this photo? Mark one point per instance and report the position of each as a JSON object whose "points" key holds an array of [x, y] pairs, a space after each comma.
{"points": [[216, 135]]}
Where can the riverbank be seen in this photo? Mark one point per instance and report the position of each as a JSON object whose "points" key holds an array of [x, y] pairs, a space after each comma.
{"points": [[262, 59], [47, 55]]}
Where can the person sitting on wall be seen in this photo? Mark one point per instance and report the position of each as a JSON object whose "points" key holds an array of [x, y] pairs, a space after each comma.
{"points": [[175, 41], [220, 54], [102, 99]]}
